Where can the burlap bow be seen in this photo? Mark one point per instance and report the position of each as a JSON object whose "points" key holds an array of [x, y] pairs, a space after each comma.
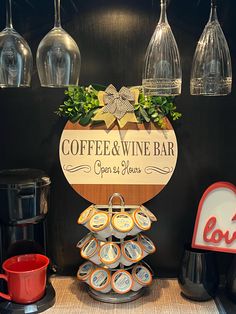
{"points": [[118, 103], [117, 106]]}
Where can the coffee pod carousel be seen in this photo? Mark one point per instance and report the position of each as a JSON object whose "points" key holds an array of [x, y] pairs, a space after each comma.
{"points": [[114, 249]]}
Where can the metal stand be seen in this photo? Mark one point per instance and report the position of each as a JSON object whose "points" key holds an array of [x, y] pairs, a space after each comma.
{"points": [[113, 297]]}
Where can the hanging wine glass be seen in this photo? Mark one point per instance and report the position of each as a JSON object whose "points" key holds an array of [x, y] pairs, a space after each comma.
{"points": [[211, 70], [58, 56], [15, 55], [162, 73]]}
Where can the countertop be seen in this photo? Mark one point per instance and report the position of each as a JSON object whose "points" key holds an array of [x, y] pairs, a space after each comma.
{"points": [[162, 297]]}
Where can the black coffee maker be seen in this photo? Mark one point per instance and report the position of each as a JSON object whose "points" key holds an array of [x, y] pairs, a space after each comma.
{"points": [[24, 196]]}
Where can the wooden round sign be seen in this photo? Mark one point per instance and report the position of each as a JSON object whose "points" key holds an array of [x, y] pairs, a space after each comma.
{"points": [[136, 161]]}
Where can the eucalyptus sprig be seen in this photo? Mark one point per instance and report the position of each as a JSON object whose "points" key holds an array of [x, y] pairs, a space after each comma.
{"points": [[155, 109], [81, 104]]}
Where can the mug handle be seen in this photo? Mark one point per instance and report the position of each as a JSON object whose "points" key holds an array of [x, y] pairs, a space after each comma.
{"points": [[3, 295]]}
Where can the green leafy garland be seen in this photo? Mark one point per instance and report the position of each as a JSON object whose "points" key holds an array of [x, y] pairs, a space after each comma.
{"points": [[81, 104]]}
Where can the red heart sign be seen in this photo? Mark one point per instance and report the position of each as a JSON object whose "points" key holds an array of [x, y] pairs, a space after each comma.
{"points": [[215, 225]]}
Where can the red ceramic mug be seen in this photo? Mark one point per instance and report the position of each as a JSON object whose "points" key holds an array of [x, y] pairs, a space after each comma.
{"points": [[26, 278]]}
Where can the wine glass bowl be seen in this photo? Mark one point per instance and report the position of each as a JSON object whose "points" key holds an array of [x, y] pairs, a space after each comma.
{"points": [[198, 277], [211, 69], [58, 59], [16, 59], [162, 73]]}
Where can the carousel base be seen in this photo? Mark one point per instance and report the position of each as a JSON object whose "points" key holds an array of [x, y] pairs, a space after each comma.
{"points": [[113, 297]]}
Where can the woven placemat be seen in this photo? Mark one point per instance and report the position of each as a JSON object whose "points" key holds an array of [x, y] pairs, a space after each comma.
{"points": [[163, 297]]}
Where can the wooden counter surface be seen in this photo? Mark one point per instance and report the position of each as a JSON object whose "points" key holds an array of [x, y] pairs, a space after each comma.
{"points": [[163, 298]]}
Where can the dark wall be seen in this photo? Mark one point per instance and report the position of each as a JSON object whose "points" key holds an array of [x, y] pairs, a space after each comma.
{"points": [[113, 36]]}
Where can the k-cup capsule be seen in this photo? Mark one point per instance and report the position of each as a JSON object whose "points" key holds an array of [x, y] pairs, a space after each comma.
{"points": [[131, 253], [122, 223], [142, 222], [146, 244], [100, 280], [142, 277], [121, 281], [85, 271], [110, 254], [149, 213], [84, 240], [90, 251], [85, 216], [100, 223]]}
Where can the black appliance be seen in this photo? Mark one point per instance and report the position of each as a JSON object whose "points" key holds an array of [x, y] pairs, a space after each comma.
{"points": [[24, 198]]}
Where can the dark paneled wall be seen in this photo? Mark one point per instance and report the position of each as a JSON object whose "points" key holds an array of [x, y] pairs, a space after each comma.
{"points": [[112, 36]]}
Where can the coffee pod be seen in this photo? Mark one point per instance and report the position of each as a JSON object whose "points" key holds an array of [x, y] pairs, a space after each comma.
{"points": [[149, 213], [122, 223], [142, 222], [146, 244], [110, 254], [100, 223], [90, 251], [85, 271], [84, 240], [121, 281], [131, 253], [142, 277], [86, 215], [100, 280]]}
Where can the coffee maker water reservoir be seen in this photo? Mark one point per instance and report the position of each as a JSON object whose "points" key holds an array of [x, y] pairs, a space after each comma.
{"points": [[24, 197]]}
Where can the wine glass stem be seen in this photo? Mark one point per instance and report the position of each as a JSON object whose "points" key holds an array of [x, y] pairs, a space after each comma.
{"points": [[163, 16], [213, 3], [213, 15], [8, 14], [57, 13]]}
